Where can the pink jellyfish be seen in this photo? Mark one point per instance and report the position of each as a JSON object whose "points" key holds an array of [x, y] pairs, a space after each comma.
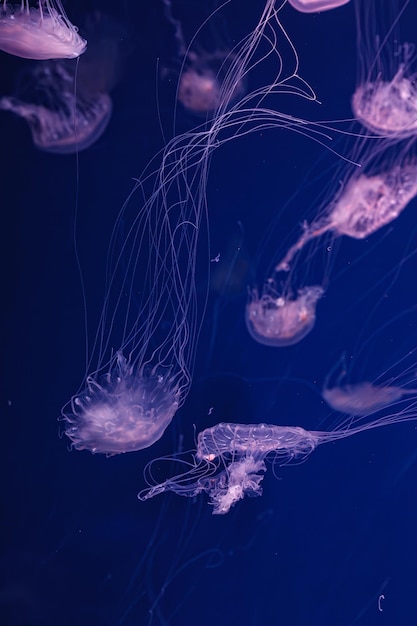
{"points": [[314, 6], [372, 197], [67, 106], [204, 75], [385, 99], [391, 387], [39, 33], [282, 319], [229, 462]]}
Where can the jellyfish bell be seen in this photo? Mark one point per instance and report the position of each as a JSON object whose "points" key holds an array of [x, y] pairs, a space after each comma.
{"points": [[39, 33], [282, 320], [363, 398], [204, 67], [202, 82], [385, 99], [371, 197], [61, 120], [127, 411], [315, 6]]}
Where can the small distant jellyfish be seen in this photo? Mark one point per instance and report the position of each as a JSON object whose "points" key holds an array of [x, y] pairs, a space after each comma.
{"points": [[39, 33], [206, 79], [314, 6], [366, 203], [365, 397], [282, 320], [67, 106], [385, 99]]}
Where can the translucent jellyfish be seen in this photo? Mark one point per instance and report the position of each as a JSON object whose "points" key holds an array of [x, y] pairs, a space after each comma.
{"points": [[282, 320], [67, 106], [229, 462], [314, 6], [363, 398], [366, 203], [385, 100], [203, 74], [39, 33]]}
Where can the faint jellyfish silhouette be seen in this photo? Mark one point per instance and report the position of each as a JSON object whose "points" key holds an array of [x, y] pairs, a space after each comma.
{"points": [[67, 106], [204, 74], [385, 100], [372, 197], [363, 398], [314, 6], [229, 462], [39, 33], [281, 319]]}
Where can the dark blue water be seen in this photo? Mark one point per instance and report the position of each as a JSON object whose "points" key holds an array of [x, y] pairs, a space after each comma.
{"points": [[328, 536]]}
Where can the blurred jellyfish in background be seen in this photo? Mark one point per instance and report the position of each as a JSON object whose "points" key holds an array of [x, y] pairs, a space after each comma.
{"points": [[39, 32], [363, 398], [202, 70], [67, 104], [385, 99]]}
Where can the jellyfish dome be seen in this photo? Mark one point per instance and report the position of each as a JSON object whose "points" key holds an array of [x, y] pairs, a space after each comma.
{"points": [[385, 99], [61, 120], [280, 320], [315, 6], [39, 33], [125, 412]]}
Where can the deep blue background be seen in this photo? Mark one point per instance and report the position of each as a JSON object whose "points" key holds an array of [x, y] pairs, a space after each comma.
{"points": [[326, 538]]}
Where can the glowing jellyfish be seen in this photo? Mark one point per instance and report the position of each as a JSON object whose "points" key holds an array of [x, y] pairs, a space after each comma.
{"points": [[282, 320], [67, 106], [314, 6], [204, 76], [364, 398], [65, 130], [229, 462], [39, 33], [365, 204], [385, 100]]}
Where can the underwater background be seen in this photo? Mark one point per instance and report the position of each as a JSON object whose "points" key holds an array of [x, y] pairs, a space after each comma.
{"points": [[329, 536]]}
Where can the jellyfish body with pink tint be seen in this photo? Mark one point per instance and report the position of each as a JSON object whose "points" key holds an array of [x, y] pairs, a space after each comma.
{"points": [[385, 99], [68, 106], [203, 71], [316, 6], [230, 459], [39, 32]]}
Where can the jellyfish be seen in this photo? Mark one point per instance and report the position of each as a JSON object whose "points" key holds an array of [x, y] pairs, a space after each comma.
{"points": [[140, 363], [39, 33], [68, 106], [315, 6], [385, 99], [204, 73], [282, 320], [372, 197], [229, 461]]}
